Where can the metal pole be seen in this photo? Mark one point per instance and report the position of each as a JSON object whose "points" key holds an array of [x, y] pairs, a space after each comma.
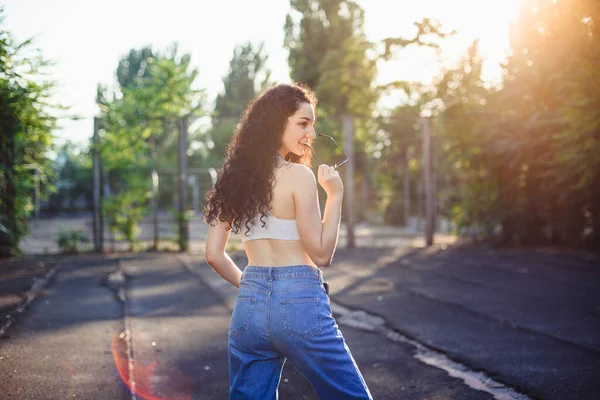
{"points": [[183, 182], [195, 194], [96, 190], [429, 184], [36, 180], [104, 193], [348, 130], [406, 187], [155, 206]]}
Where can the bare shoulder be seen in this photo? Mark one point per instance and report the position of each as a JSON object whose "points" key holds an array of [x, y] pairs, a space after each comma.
{"points": [[303, 175]]}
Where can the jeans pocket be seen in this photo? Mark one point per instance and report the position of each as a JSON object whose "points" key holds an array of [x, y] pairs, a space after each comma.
{"points": [[301, 317], [242, 315]]}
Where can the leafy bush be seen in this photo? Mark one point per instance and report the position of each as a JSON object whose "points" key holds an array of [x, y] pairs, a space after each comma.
{"points": [[69, 240], [125, 211]]}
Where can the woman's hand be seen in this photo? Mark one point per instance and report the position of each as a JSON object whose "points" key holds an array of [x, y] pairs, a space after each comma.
{"points": [[330, 180]]}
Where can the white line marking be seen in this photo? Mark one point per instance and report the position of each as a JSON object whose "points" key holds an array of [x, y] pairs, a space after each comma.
{"points": [[360, 319]]}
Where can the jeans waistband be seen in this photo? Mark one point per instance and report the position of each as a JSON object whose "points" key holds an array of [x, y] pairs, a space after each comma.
{"points": [[287, 272]]}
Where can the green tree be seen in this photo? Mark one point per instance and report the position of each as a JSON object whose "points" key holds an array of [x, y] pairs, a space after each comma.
{"points": [[329, 52], [247, 76], [522, 160], [397, 145], [74, 166], [139, 123], [26, 125], [547, 126], [464, 154], [134, 65]]}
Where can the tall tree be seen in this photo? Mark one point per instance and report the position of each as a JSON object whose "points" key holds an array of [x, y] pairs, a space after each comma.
{"points": [[75, 167], [399, 136], [247, 76], [523, 158], [139, 124], [328, 51], [27, 120], [134, 65], [464, 153], [549, 125], [140, 116]]}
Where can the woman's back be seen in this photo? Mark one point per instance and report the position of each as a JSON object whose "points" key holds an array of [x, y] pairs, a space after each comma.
{"points": [[276, 252], [282, 309]]}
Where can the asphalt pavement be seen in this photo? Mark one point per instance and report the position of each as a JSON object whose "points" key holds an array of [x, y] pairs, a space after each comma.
{"points": [[61, 345], [447, 322]]}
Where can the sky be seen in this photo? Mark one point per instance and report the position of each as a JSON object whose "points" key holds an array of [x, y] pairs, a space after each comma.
{"points": [[86, 39]]}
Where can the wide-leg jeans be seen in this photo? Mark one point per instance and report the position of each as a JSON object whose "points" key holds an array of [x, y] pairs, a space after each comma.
{"points": [[284, 313]]}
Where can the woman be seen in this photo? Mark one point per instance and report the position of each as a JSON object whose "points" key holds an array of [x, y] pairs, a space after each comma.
{"points": [[267, 193]]}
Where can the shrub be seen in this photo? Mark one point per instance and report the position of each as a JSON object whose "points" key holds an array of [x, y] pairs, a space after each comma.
{"points": [[69, 240]]}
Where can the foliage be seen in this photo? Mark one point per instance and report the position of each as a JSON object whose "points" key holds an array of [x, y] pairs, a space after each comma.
{"points": [[462, 153], [521, 159], [142, 116], [247, 77], [125, 211], [73, 177], [429, 32], [328, 51], [26, 123], [545, 132], [68, 241], [517, 163], [397, 139], [397, 143], [140, 126]]}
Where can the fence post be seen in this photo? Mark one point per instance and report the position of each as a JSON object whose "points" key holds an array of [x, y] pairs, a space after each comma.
{"points": [[183, 182], [429, 182], [36, 182], [155, 183], [406, 173], [97, 226], [348, 130]]}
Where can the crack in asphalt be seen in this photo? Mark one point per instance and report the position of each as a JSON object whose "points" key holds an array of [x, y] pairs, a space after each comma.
{"points": [[363, 320], [117, 281], [477, 380]]}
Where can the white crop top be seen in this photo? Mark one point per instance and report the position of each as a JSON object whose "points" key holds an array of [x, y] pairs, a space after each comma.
{"points": [[275, 228]]}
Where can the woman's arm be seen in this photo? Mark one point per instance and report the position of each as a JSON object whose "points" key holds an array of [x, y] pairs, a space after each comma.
{"points": [[331, 225], [319, 237], [215, 255]]}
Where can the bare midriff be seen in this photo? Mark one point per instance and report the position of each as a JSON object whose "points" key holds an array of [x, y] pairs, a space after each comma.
{"points": [[276, 253]]}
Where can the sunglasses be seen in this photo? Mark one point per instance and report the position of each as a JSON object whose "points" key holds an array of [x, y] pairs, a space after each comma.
{"points": [[336, 166]]}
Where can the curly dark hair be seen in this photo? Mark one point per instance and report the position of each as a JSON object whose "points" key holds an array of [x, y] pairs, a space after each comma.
{"points": [[245, 184]]}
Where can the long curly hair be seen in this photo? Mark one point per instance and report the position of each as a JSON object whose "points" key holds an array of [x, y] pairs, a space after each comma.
{"points": [[245, 184]]}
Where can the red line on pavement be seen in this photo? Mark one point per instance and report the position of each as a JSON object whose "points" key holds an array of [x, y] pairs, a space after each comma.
{"points": [[177, 386]]}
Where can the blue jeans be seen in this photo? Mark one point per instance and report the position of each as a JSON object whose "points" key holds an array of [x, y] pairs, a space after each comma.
{"points": [[284, 313]]}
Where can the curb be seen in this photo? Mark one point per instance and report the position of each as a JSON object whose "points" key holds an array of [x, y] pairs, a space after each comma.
{"points": [[30, 296]]}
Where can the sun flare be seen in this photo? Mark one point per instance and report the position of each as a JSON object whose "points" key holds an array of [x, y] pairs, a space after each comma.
{"points": [[486, 20]]}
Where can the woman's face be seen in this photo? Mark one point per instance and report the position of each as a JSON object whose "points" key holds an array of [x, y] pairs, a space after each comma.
{"points": [[300, 129]]}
